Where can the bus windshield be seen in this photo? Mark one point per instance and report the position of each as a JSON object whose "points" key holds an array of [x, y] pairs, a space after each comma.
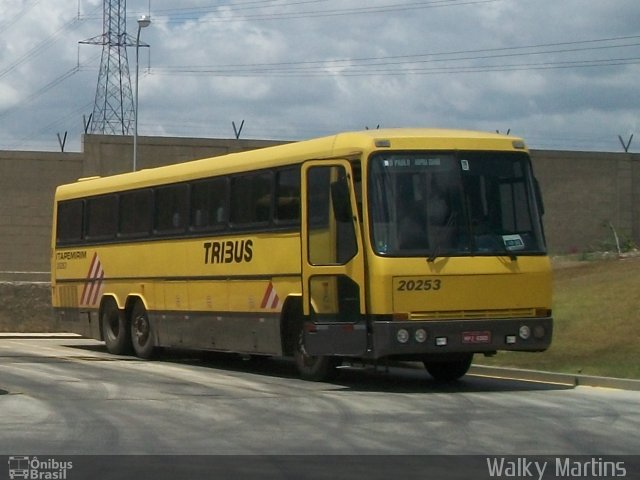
{"points": [[453, 204]]}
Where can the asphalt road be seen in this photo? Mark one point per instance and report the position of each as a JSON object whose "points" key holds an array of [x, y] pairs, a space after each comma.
{"points": [[64, 396]]}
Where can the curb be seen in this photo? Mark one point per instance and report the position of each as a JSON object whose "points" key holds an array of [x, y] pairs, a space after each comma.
{"points": [[52, 335], [569, 379]]}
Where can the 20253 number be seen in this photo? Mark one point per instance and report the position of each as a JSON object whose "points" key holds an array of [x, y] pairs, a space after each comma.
{"points": [[419, 285]]}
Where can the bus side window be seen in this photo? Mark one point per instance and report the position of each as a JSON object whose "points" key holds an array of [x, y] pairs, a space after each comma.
{"points": [[209, 204], [135, 213], [288, 196], [171, 208], [251, 199], [102, 220], [69, 221]]}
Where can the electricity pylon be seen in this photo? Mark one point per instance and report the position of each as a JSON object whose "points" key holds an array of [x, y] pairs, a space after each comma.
{"points": [[113, 112]]}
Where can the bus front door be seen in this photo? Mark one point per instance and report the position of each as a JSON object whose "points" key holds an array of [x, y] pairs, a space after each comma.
{"points": [[332, 261]]}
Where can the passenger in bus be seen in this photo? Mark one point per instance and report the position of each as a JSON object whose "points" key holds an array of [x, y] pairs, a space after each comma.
{"points": [[441, 217], [176, 220], [437, 204], [412, 224]]}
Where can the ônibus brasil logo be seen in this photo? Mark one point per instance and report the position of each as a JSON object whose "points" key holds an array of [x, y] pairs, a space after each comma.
{"points": [[33, 468]]}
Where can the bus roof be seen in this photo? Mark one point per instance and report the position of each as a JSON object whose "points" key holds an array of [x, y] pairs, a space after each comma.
{"points": [[345, 144]]}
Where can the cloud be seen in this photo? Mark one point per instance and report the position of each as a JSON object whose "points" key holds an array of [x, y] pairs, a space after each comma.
{"points": [[301, 69]]}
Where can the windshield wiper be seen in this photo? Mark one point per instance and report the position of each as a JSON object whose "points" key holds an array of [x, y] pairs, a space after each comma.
{"points": [[438, 240]]}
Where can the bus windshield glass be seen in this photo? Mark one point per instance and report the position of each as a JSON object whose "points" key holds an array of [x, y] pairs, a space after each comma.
{"points": [[453, 204]]}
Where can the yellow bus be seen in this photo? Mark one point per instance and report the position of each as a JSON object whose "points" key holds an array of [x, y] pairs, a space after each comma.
{"points": [[399, 244]]}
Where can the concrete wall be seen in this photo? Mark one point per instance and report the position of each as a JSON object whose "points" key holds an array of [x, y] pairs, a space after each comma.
{"points": [[26, 307], [584, 192], [585, 195], [107, 154], [27, 184]]}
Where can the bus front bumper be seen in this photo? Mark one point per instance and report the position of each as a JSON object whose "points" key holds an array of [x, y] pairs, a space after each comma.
{"points": [[415, 338]]}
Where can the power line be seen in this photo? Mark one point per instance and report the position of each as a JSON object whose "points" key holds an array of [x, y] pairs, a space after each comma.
{"points": [[458, 52], [608, 62], [233, 7], [40, 91], [42, 46], [10, 22], [407, 64], [421, 71], [197, 14], [183, 14]]}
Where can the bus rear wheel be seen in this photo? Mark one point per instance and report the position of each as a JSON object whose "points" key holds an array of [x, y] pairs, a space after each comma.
{"points": [[314, 367], [115, 330], [450, 369], [142, 335]]}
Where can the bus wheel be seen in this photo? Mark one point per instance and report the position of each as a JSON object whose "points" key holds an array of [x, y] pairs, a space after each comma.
{"points": [[114, 328], [449, 370], [314, 367], [141, 332]]}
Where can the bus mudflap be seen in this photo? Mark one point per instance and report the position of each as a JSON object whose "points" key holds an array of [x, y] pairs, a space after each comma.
{"points": [[335, 338]]}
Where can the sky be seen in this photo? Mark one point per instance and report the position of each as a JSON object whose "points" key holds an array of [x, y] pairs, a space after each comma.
{"points": [[563, 74]]}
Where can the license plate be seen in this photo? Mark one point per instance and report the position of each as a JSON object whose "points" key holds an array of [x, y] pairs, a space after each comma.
{"points": [[476, 337]]}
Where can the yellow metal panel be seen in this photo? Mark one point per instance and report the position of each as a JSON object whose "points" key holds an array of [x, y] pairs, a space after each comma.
{"points": [[470, 292], [458, 284], [209, 295]]}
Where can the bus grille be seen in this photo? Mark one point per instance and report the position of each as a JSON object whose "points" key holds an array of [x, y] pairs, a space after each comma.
{"points": [[474, 314]]}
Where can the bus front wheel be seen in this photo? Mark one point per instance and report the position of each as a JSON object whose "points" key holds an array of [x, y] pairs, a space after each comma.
{"points": [[142, 336], [450, 369], [115, 331], [314, 367]]}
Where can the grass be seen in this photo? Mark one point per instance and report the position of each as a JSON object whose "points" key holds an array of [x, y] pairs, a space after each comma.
{"points": [[596, 310]]}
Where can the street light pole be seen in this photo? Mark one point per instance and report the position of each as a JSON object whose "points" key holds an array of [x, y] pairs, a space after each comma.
{"points": [[143, 21]]}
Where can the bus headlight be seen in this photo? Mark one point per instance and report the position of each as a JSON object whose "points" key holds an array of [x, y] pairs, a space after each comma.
{"points": [[524, 332], [420, 335], [539, 331], [402, 336]]}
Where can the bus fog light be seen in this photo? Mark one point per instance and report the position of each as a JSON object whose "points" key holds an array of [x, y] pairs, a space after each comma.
{"points": [[539, 331], [402, 336], [510, 340], [441, 341], [524, 332], [421, 335]]}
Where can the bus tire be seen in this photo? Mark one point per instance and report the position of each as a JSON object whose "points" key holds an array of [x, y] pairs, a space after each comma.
{"points": [[316, 368], [142, 334], [449, 370], [115, 329]]}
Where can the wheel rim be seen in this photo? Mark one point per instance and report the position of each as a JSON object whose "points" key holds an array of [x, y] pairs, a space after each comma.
{"points": [[141, 329], [304, 358]]}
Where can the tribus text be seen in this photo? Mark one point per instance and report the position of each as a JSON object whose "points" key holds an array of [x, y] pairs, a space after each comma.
{"points": [[228, 251]]}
